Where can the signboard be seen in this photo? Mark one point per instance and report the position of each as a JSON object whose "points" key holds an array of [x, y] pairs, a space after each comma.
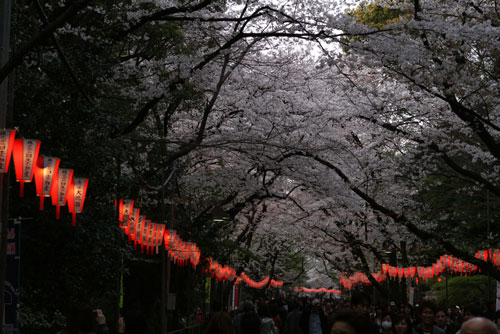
{"points": [[11, 292], [171, 301], [411, 295]]}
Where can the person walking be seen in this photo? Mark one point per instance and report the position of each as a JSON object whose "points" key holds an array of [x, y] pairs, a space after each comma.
{"points": [[292, 323], [266, 321], [350, 322], [220, 323], [402, 324], [246, 306], [478, 325], [386, 325], [442, 321], [427, 311], [313, 319]]}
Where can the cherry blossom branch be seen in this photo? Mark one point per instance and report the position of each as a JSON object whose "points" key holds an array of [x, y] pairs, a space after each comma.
{"points": [[400, 218]]}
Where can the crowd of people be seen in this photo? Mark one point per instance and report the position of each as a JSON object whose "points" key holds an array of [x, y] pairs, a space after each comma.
{"points": [[357, 316], [311, 316]]}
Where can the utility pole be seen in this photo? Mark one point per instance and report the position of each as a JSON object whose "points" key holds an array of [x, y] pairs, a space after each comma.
{"points": [[5, 14], [164, 291], [169, 264], [446, 282], [488, 243]]}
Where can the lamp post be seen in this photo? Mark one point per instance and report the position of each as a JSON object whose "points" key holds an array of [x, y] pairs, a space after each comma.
{"points": [[220, 216]]}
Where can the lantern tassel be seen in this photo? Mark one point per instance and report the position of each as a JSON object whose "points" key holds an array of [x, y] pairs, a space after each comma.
{"points": [[21, 188], [73, 220], [42, 199], [58, 212]]}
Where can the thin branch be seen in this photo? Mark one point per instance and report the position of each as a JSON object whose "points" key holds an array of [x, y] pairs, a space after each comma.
{"points": [[62, 55], [17, 58]]}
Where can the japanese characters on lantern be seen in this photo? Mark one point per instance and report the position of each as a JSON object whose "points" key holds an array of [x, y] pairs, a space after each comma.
{"points": [[46, 172], [25, 156], [60, 189], [76, 197], [7, 138]]}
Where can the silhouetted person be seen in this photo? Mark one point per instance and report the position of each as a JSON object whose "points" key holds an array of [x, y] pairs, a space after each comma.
{"points": [[246, 306], [250, 323], [478, 325], [292, 323], [220, 323], [349, 322]]}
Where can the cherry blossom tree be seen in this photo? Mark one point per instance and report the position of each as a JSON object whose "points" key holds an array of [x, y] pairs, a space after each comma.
{"points": [[319, 133]]}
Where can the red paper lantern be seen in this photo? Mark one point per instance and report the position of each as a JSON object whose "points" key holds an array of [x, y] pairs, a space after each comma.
{"points": [[159, 236], [138, 230], [60, 189], [124, 211], [168, 238], [7, 138], [76, 197], [145, 234], [25, 156], [152, 238], [134, 218], [46, 171]]}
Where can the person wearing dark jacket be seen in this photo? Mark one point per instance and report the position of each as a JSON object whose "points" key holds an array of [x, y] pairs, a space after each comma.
{"points": [[313, 319], [246, 306], [426, 326], [292, 323]]}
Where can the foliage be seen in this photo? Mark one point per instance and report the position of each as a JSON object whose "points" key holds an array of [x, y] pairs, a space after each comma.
{"points": [[377, 14], [464, 290]]}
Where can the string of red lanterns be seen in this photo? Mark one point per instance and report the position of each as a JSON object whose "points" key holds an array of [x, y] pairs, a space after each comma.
{"points": [[50, 180], [63, 188], [150, 236], [320, 290], [359, 278], [446, 263], [226, 273], [180, 252]]}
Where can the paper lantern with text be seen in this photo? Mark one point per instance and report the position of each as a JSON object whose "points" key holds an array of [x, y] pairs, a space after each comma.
{"points": [[146, 228], [134, 218], [76, 197], [125, 225], [167, 238], [151, 238], [138, 230], [60, 190], [46, 171], [124, 211], [159, 237], [7, 138], [25, 154]]}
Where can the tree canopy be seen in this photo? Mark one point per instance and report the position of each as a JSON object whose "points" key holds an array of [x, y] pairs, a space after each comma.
{"points": [[330, 136]]}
